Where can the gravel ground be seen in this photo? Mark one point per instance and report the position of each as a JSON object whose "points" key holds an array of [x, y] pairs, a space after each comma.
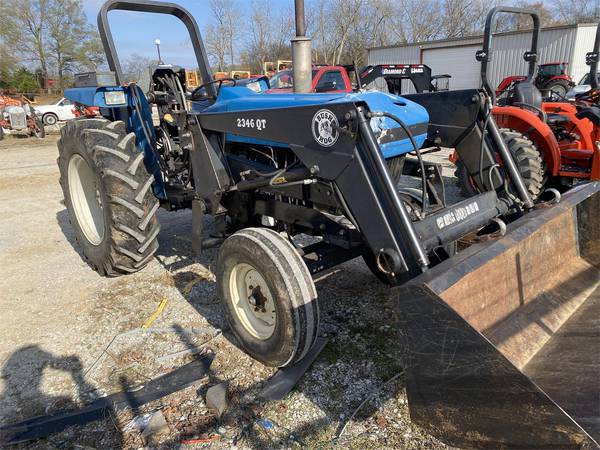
{"points": [[70, 336]]}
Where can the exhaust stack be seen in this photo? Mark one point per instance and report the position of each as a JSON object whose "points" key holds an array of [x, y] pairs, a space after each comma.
{"points": [[301, 53]]}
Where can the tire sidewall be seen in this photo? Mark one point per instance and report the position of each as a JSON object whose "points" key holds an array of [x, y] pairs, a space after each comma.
{"points": [[53, 117], [95, 253], [281, 345], [558, 83]]}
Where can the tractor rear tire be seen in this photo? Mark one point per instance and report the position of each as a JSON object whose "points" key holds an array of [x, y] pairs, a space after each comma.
{"points": [[560, 87], [108, 194], [529, 162], [268, 296]]}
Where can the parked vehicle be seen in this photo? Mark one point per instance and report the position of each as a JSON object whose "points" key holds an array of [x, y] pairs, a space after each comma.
{"points": [[18, 116], [57, 112], [270, 68], [582, 87], [551, 80], [496, 350], [324, 79]]}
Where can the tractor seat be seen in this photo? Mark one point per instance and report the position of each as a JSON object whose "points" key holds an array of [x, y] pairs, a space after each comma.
{"points": [[526, 94], [556, 119]]}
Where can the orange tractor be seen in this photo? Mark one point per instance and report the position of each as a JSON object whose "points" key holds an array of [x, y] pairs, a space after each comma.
{"points": [[19, 116], [555, 143]]}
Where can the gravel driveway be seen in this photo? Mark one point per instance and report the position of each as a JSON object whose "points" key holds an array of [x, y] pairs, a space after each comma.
{"points": [[69, 336]]}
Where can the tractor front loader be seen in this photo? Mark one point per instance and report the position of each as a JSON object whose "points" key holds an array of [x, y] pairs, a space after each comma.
{"points": [[269, 168]]}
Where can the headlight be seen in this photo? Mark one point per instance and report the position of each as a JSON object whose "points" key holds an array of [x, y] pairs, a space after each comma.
{"points": [[114, 97]]}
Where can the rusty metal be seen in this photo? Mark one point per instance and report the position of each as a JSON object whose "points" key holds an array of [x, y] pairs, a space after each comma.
{"points": [[502, 343]]}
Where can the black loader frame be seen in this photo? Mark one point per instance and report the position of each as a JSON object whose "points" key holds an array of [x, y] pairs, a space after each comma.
{"points": [[352, 172], [393, 74]]}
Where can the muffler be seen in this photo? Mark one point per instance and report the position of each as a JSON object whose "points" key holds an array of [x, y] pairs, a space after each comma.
{"points": [[501, 344]]}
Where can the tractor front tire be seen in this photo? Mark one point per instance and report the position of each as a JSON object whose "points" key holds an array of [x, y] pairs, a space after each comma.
{"points": [[108, 195], [529, 162], [268, 296]]}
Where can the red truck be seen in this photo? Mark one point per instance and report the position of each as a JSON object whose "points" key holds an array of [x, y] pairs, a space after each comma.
{"points": [[325, 79]]}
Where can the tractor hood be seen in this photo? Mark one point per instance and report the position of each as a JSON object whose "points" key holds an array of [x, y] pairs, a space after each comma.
{"points": [[392, 140]]}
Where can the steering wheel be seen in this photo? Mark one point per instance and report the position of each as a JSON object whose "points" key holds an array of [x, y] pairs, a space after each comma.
{"points": [[196, 92]]}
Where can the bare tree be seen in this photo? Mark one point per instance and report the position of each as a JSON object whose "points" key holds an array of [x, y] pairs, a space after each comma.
{"points": [[574, 11], [268, 37], [342, 30], [223, 32], [137, 67]]}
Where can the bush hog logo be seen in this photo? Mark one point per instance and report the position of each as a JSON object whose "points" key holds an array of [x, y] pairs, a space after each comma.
{"points": [[324, 128], [458, 215]]}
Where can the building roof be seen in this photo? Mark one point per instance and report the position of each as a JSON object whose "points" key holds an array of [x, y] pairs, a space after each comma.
{"points": [[478, 38]]}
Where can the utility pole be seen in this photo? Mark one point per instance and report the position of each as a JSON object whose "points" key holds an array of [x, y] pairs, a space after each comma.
{"points": [[157, 43]]}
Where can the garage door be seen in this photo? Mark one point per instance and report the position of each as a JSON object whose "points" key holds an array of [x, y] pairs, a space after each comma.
{"points": [[459, 62]]}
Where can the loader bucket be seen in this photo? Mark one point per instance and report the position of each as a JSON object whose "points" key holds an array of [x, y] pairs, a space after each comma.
{"points": [[502, 342]]}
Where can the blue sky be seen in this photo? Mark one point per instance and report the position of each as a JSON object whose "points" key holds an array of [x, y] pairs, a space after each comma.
{"points": [[135, 32]]}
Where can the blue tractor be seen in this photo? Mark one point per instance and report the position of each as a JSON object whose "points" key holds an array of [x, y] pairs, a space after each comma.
{"points": [[345, 169]]}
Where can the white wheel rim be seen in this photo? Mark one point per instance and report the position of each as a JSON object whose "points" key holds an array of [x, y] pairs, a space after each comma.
{"points": [[561, 91], [50, 120], [252, 301], [85, 198]]}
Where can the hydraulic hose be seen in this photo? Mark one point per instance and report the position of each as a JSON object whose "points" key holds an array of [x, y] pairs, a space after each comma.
{"points": [[482, 147], [415, 147]]}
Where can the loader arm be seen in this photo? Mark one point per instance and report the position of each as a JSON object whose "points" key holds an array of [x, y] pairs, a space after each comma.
{"points": [[355, 165]]}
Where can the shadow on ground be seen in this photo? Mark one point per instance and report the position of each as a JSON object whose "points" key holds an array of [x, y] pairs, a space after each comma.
{"points": [[361, 355]]}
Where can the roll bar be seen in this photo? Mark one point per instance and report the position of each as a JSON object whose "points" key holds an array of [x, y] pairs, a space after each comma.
{"points": [[591, 59], [485, 55], [155, 7]]}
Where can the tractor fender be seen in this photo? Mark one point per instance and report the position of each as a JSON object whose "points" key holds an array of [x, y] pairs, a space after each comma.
{"points": [[534, 128], [506, 82], [584, 128]]}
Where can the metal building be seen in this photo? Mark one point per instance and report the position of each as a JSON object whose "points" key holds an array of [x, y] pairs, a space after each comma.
{"points": [[456, 57]]}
